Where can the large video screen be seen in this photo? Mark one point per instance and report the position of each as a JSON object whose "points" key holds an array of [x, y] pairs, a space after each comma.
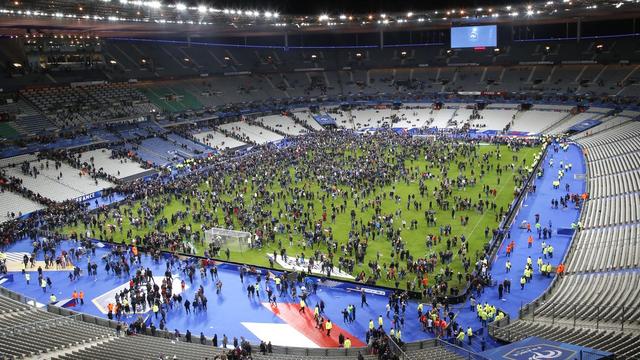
{"points": [[474, 36]]}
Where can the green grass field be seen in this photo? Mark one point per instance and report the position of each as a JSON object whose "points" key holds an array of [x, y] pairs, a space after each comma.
{"points": [[414, 239]]}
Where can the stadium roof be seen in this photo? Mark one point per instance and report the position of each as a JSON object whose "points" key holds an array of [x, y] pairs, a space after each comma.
{"points": [[159, 18]]}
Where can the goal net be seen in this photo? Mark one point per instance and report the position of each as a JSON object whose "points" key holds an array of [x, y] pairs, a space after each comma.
{"points": [[219, 239]]}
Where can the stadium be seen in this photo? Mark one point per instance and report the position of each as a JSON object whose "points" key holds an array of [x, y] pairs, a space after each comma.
{"points": [[335, 180]]}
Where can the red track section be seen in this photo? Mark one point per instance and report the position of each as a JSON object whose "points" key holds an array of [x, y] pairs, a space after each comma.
{"points": [[304, 323]]}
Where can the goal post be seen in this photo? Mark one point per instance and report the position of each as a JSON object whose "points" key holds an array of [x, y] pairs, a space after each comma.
{"points": [[220, 239]]}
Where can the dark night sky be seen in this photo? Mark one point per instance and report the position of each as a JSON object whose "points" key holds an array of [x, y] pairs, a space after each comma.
{"points": [[313, 7]]}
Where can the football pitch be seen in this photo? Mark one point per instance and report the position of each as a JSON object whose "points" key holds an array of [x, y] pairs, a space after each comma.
{"points": [[285, 193]]}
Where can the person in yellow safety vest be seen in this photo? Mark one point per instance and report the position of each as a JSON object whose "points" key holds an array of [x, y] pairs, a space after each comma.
{"points": [[155, 310], [328, 326], [469, 334], [53, 299], [380, 321], [347, 343], [529, 261], [540, 264], [484, 317], [500, 316], [420, 308], [302, 306], [523, 281], [460, 337], [316, 312], [392, 333], [550, 251], [371, 324], [399, 335], [508, 266]]}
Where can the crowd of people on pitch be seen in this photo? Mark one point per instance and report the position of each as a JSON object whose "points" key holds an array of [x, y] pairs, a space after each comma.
{"points": [[350, 170]]}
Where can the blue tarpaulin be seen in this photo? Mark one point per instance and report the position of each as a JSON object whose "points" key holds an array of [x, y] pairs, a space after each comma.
{"points": [[584, 125], [324, 119], [535, 348]]}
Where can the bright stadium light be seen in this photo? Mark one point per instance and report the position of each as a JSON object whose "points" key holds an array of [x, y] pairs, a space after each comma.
{"points": [[202, 9], [181, 7], [409, 14], [268, 14]]}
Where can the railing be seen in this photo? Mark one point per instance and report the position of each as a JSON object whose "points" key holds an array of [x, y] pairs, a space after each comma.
{"points": [[395, 348], [467, 354], [619, 318], [497, 325], [18, 297], [34, 326]]}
